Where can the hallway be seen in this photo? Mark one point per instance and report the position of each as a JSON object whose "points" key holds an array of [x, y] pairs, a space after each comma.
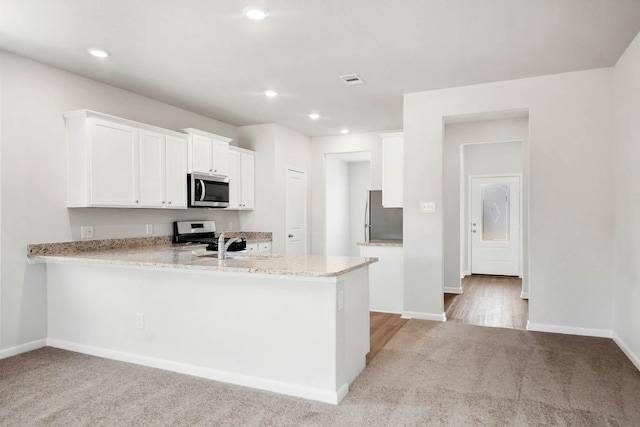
{"points": [[488, 301]]}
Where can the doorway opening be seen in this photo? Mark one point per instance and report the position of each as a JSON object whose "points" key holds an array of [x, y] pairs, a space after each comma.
{"points": [[347, 182], [485, 188]]}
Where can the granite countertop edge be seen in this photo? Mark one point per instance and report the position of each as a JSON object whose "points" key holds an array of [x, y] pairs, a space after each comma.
{"points": [[161, 253]]}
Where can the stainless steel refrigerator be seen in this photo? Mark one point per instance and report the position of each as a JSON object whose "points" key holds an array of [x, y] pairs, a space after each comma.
{"points": [[381, 223]]}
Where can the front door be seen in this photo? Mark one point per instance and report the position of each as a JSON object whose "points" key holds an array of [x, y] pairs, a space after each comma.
{"points": [[296, 213], [495, 225]]}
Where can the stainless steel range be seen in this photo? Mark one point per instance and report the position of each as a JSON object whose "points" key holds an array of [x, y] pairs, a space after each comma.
{"points": [[204, 232]]}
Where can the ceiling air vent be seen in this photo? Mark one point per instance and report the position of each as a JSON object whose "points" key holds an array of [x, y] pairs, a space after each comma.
{"points": [[352, 79]]}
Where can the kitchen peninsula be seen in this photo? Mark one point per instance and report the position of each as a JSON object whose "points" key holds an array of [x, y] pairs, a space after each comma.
{"points": [[297, 325]]}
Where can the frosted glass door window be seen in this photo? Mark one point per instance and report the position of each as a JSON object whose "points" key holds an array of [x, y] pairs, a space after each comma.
{"points": [[495, 212]]}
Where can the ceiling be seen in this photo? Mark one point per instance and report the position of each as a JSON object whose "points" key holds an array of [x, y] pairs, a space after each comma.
{"points": [[206, 57]]}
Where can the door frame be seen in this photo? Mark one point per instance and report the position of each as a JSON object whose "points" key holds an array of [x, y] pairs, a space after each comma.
{"points": [[468, 210]]}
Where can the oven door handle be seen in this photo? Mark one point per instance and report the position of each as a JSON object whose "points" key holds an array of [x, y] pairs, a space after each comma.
{"points": [[203, 192]]}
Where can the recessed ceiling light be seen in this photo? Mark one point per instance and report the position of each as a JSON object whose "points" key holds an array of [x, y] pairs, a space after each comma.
{"points": [[270, 93], [255, 12], [344, 131], [314, 116], [99, 53]]}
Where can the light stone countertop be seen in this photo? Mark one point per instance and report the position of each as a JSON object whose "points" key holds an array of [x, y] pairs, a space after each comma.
{"points": [[381, 243], [190, 257]]}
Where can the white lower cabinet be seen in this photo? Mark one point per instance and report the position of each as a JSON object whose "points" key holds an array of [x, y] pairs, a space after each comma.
{"points": [[259, 247], [114, 162], [264, 247], [241, 169], [386, 278]]}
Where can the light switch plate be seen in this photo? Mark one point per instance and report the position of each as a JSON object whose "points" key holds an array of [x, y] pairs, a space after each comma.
{"points": [[427, 207]]}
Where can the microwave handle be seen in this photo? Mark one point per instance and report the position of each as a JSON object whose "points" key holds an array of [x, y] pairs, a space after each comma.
{"points": [[203, 190]]}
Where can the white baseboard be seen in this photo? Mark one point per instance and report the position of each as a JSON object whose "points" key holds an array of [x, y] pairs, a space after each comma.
{"points": [[524, 295], [464, 274], [452, 290], [635, 359], [311, 393], [385, 311], [424, 316], [22, 348], [569, 330]]}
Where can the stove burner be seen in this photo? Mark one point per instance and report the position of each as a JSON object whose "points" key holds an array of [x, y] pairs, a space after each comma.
{"points": [[203, 232]]}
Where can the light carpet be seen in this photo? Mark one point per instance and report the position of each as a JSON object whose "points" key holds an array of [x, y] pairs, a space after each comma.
{"points": [[429, 374]]}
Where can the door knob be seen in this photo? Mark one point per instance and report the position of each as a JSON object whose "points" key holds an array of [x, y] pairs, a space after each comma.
{"points": [[290, 236]]}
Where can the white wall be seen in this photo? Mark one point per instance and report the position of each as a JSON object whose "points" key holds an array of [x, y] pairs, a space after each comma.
{"points": [[570, 194], [492, 158], [34, 96], [278, 149], [338, 144], [359, 184], [626, 255], [337, 207]]}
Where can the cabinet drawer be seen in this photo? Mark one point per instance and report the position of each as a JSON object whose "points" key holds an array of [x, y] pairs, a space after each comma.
{"points": [[264, 247], [252, 248]]}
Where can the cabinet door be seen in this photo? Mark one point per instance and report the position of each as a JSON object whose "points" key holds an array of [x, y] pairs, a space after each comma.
{"points": [[392, 169], [152, 169], [202, 154], [176, 172], [247, 169], [235, 182], [114, 168], [220, 158]]}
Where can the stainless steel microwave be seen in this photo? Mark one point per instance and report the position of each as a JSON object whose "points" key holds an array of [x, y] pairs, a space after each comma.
{"points": [[205, 191]]}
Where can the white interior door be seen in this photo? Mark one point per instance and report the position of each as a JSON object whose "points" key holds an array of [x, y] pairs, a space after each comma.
{"points": [[296, 212], [495, 225]]}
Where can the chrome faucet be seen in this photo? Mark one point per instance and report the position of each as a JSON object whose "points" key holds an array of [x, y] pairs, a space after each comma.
{"points": [[222, 246]]}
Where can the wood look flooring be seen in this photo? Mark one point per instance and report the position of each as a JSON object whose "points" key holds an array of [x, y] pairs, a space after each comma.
{"points": [[382, 327], [488, 301]]}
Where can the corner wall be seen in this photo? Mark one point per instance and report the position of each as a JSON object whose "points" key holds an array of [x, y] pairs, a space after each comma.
{"points": [[626, 255], [570, 195]]}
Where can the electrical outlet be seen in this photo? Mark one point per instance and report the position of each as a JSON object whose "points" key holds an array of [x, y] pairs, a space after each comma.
{"points": [[86, 232], [149, 229], [230, 226], [139, 320]]}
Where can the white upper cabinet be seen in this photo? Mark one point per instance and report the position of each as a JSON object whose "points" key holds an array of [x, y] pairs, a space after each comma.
{"points": [[163, 170], [247, 180], [208, 153], [241, 179], [152, 169], [114, 162], [176, 167], [392, 170]]}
